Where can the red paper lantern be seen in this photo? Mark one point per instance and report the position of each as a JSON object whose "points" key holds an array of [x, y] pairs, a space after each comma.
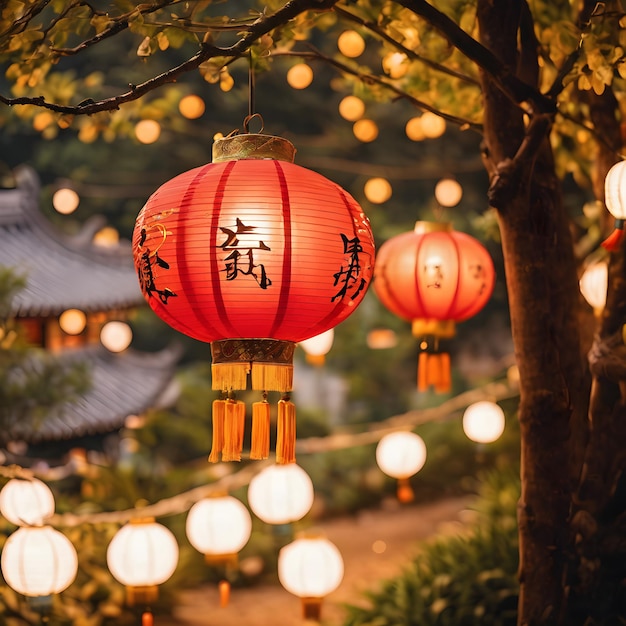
{"points": [[252, 254], [433, 277]]}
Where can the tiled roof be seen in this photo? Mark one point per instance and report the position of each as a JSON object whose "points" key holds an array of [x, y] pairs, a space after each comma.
{"points": [[61, 272], [121, 385]]}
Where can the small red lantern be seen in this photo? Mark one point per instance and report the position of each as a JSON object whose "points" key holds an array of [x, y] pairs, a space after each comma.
{"points": [[252, 253], [433, 277]]}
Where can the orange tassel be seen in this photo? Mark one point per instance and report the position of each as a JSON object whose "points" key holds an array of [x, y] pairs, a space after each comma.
{"points": [[286, 433], [260, 445], [219, 409], [234, 421], [224, 590], [422, 372], [405, 491], [147, 619], [444, 383], [614, 241]]}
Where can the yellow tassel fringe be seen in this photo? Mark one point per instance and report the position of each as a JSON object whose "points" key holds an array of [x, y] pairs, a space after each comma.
{"points": [[227, 376], [234, 422], [286, 433], [218, 414], [272, 377], [260, 445]]}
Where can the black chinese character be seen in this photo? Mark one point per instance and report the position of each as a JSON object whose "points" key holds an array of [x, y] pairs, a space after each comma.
{"points": [[349, 276]]}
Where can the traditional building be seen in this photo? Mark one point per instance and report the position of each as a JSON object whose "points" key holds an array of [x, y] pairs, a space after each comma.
{"points": [[69, 280]]}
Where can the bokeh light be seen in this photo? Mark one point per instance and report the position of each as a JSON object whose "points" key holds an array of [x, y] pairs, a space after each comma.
{"points": [[365, 130], [300, 76], [377, 190], [147, 131]]}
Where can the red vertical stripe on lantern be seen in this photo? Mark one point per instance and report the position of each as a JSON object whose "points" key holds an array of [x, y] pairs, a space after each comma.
{"points": [[187, 277], [214, 270], [460, 277], [283, 299]]}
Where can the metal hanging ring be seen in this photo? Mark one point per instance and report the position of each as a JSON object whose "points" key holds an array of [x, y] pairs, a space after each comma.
{"points": [[249, 118]]}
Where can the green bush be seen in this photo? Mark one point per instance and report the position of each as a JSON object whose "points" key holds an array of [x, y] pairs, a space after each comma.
{"points": [[461, 580]]}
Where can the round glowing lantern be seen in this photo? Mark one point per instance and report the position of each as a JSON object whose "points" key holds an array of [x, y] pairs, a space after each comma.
{"points": [[142, 555], [281, 494], [219, 527], [252, 254], [26, 502], [593, 285], [434, 277], [310, 568], [39, 561], [316, 348], [401, 455], [483, 422], [615, 200]]}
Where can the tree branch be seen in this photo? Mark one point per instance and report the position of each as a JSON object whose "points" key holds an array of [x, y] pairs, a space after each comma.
{"points": [[316, 55], [515, 89], [260, 27], [379, 32]]}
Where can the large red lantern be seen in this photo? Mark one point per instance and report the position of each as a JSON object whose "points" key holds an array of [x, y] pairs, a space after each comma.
{"points": [[252, 254], [433, 277]]}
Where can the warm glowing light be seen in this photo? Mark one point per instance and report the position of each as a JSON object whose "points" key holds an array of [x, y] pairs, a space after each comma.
{"points": [[395, 64], [319, 346], [379, 546], [310, 568], [72, 321], [26, 502], [281, 494], [351, 44], [377, 190], [192, 107], [116, 336], [218, 526], [593, 285], [352, 108], [133, 422], [414, 130], [483, 422], [433, 125], [381, 339], [300, 76], [39, 561], [106, 237], [65, 201], [365, 130], [147, 131], [448, 192], [401, 454], [142, 553]]}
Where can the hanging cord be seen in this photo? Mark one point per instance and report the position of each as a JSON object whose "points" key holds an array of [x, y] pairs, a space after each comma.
{"points": [[251, 97]]}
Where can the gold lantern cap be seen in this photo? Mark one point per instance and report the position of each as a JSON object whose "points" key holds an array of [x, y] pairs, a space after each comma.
{"points": [[253, 146], [422, 227]]}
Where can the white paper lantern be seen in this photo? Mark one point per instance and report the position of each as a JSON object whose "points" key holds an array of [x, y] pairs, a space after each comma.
{"points": [[26, 502], [310, 568], [318, 347], [142, 555], [39, 561], [281, 494], [593, 285], [615, 200], [218, 527], [401, 455], [483, 422]]}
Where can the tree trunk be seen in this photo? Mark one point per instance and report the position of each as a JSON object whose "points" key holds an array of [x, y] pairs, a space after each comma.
{"points": [[542, 284]]}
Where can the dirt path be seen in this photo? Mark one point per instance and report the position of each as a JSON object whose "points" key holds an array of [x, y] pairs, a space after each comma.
{"points": [[375, 545]]}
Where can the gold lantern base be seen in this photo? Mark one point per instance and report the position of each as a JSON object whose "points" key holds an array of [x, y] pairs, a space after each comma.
{"points": [[144, 594], [311, 609], [270, 363]]}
